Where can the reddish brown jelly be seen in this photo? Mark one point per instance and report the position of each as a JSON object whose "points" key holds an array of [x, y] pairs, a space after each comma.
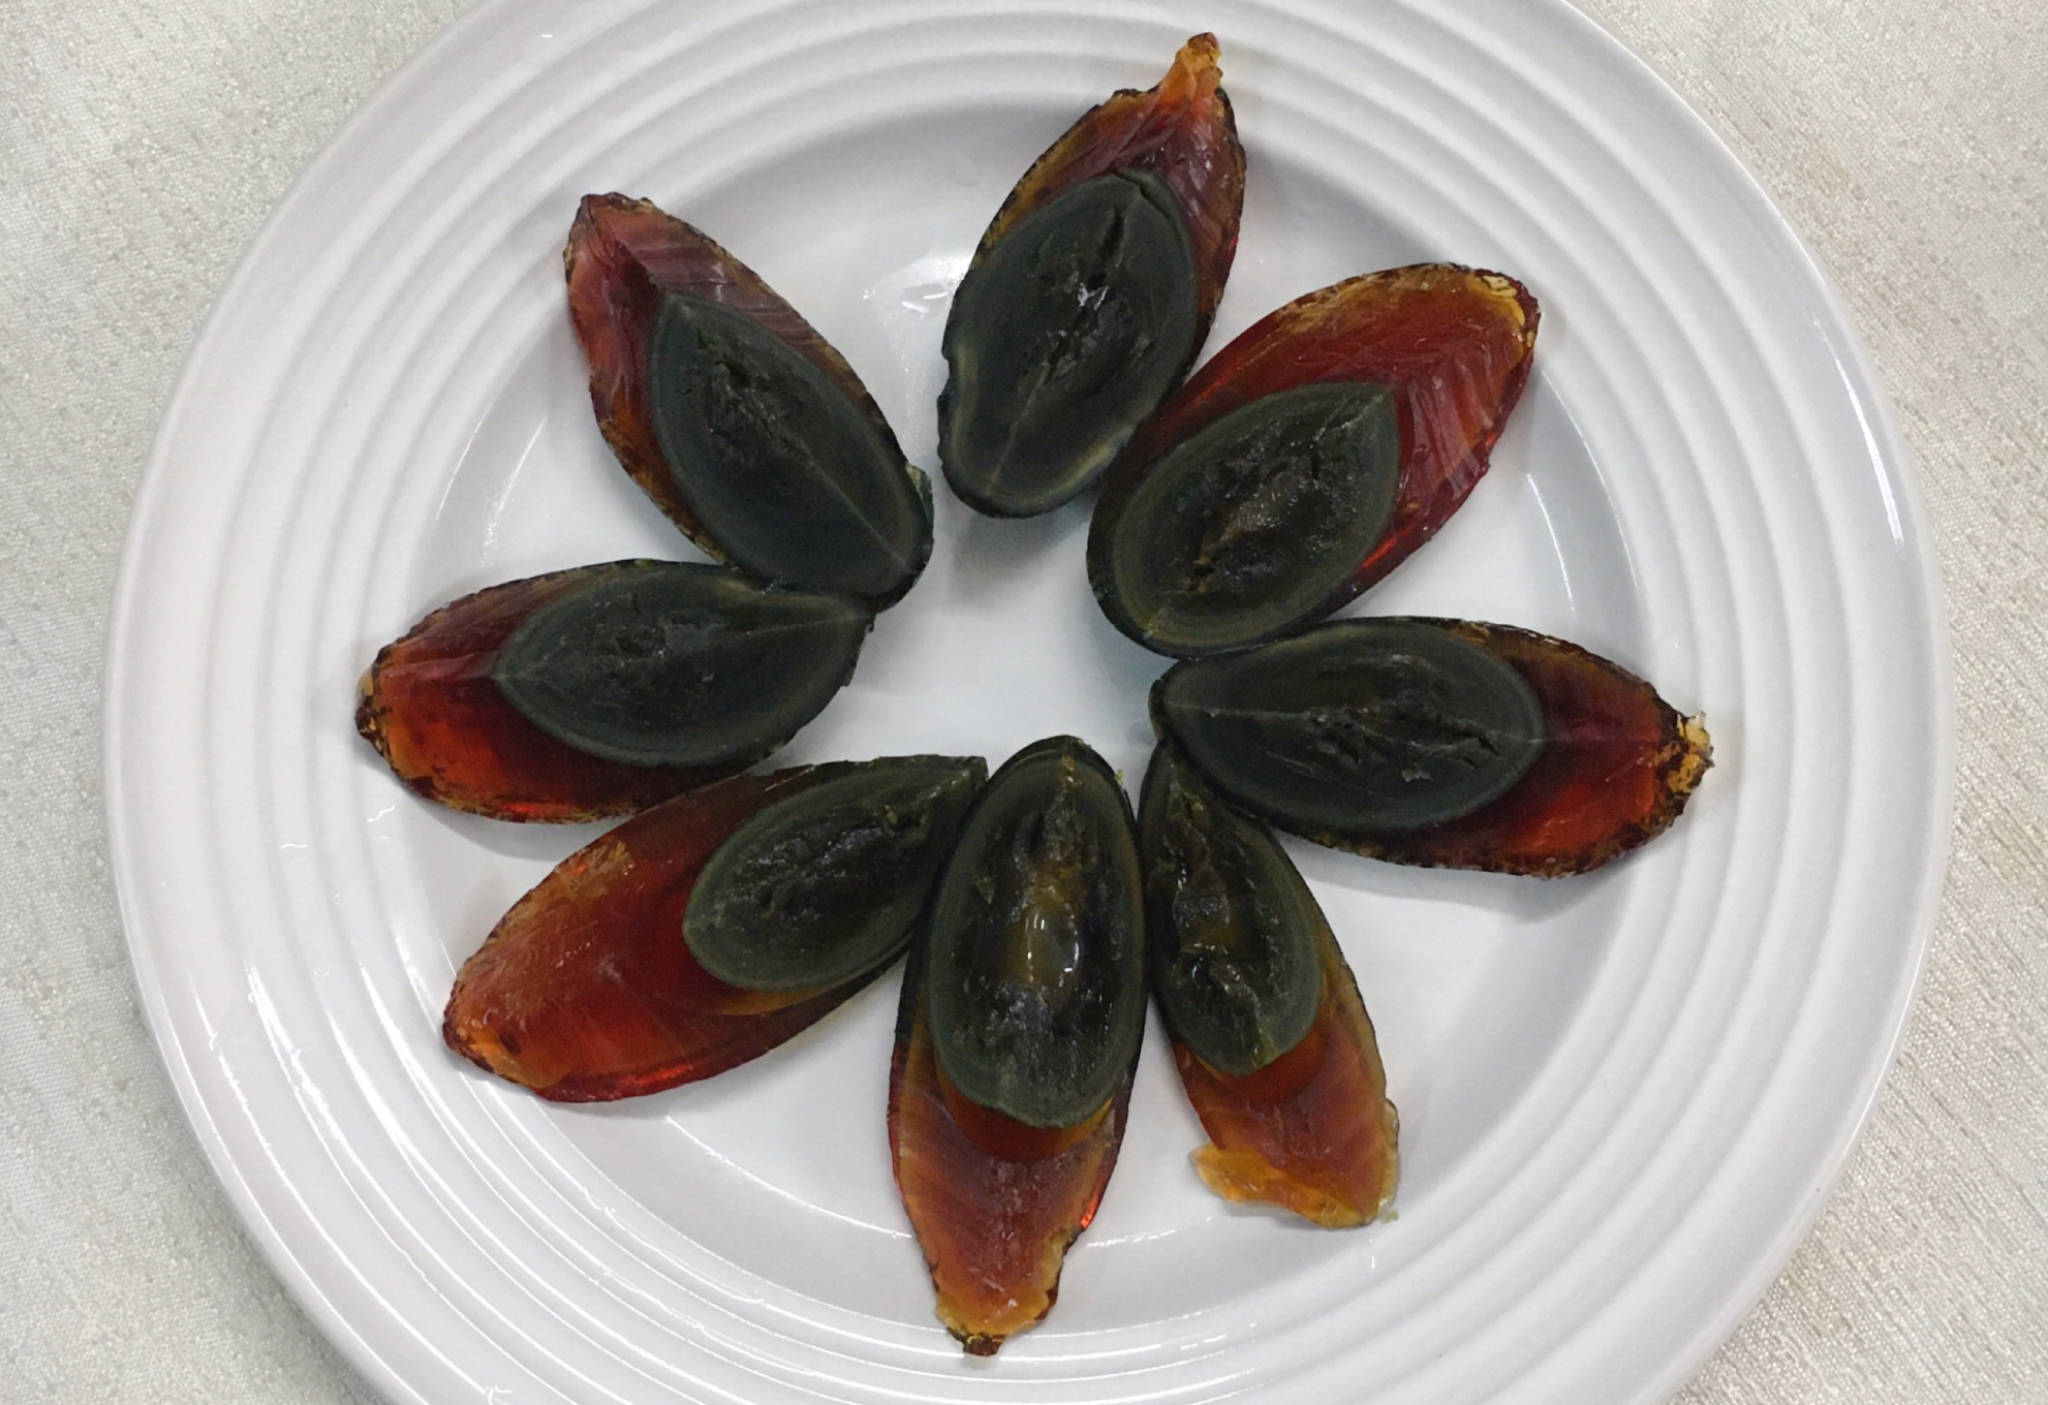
{"points": [[1311, 1132], [624, 257], [1616, 769], [995, 1227], [1452, 343], [430, 707], [586, 990], [1181, 128]]}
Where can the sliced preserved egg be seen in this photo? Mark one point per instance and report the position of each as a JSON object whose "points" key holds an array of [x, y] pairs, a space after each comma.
{"points": [[1017, 1038], [587, 990], [827, 883], [1617, 767], [794, 477], [1269, 1034], [1452, 347], [434, 704]]}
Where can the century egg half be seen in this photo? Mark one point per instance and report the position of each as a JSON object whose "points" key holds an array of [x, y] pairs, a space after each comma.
{"points": [[1021, 1019], [1309, 457], [603, 689], [707, 930], [1269, 1034], [747, 428], [1444, 743], [1091, 291]]}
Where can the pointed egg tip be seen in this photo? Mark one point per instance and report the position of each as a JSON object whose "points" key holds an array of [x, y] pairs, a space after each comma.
{"points": [[1695, 758], [1196, 71]]}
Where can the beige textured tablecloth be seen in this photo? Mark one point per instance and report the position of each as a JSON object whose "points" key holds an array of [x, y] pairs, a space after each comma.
{"points": [[142, 142]]}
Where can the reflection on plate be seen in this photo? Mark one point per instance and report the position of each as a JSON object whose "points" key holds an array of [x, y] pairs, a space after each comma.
{"points": [[1620, 1094]]}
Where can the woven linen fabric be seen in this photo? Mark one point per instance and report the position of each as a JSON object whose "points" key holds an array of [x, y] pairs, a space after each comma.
{"points": [[142, 142]]}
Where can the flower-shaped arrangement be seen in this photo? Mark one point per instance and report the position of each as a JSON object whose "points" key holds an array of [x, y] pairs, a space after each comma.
{"points": [[1236, 510]]}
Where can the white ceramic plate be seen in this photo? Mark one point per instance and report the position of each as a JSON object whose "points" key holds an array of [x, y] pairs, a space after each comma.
{"points": [[1623, 1097]]}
